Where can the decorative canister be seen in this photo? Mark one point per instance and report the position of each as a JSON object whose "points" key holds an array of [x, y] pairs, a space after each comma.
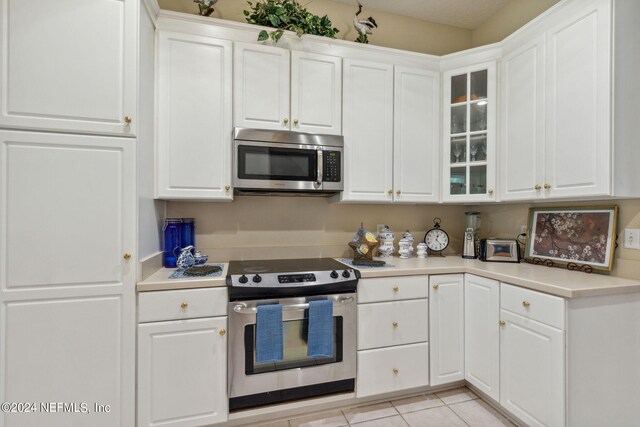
{"points": [[386, 234], [407, 235], [386, 238], [386, 248], [422, 250], [172, 241], [405, 248], [186, 258]]}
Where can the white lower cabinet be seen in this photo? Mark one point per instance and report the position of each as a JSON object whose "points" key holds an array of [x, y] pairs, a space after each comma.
{"points": [[393, 353], [182, 370], [482, 334], [532, 356], [446, 328], [384, 370]]}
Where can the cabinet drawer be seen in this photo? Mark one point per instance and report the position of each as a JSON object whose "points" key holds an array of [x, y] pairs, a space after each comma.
{"points": [[392, 323], [392, 369], [182, 304], [393, 288], [534, 305]]}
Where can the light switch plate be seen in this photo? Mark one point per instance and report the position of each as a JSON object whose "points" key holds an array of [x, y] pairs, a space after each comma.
{"points": [[632, 238]]}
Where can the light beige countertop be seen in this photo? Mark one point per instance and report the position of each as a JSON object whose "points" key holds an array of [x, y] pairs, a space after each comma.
{"points": [[159, 281], [554, 281], [551, 280]]}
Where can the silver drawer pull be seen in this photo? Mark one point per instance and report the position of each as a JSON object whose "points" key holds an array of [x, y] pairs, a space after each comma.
{"points": [[245, 308]]}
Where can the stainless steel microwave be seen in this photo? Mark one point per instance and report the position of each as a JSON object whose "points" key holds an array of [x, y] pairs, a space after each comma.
{"points": [[281, 161]]}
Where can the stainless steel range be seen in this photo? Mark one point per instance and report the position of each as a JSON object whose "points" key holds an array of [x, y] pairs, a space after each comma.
{"points": [[293, 284]]}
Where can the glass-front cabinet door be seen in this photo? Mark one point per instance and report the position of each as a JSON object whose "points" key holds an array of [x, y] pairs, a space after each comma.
{"points": [[469, 133]]}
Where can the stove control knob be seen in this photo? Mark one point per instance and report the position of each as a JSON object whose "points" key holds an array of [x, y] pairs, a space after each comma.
{"points": [[334, 274], [346, 274], [243, 279], [257, 278]]}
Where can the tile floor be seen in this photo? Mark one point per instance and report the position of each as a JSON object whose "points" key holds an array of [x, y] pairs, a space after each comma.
{"points": [[457, 407]]}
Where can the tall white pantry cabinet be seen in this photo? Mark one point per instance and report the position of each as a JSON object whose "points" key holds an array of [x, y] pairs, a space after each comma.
{"points": [[71, 111]]}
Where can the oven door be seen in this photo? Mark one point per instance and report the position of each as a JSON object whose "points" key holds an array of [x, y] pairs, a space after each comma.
{"points": [[276, 166], [248, 377]]}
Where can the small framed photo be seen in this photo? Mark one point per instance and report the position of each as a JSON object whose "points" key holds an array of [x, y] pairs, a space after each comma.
{"points": [[583, 235]]}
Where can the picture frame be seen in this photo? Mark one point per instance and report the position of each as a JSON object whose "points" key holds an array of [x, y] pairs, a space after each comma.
{"points": [[573, 236]]}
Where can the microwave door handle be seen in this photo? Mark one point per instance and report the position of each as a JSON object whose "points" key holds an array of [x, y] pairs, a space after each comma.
{"points": [[320, 168]]}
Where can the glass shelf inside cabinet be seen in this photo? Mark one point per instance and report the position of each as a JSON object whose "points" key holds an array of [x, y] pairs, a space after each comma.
{"points": [[478, 148], [459, 89], [479, 81], [478, 179], [458, 149], [459, 119], [458, 180]]}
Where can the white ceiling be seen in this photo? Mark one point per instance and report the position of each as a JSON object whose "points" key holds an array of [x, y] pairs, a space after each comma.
{"points": [[460, 13]]}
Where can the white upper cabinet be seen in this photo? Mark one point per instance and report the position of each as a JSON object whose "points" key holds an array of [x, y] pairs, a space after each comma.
{"points": [[261, 87], [578, 75], [522, 139], [69, 65], [282, 90], [316, 93], [368, 131], [195, 125], [416, 141], [469, 134], [567, 123]]}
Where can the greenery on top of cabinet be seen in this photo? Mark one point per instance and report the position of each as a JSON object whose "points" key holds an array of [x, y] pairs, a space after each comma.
{"points": [[287, 15]]}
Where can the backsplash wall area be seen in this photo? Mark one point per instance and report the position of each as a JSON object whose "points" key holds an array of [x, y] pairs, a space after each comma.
{"points": [[504, 221], [259, 227]]}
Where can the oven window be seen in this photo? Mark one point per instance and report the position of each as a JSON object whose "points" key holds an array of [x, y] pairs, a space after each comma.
{"points": [[281, 164], [295, 348]]}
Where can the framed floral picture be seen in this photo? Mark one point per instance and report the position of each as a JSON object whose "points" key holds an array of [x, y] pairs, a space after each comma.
{"points": [[582, 236]]}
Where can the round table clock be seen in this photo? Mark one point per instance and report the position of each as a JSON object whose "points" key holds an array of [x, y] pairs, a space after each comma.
{"points": [[436, 239]]}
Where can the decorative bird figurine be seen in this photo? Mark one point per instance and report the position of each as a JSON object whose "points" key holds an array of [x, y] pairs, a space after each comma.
{"points": [[205, 6], [363, 26]]}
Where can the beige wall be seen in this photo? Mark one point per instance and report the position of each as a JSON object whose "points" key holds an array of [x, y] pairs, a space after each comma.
{"points": [[509, 18], [394, 31], [257, 227], [504, 221]]}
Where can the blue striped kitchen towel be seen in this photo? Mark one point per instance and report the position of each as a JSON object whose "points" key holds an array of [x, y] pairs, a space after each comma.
{"points": [[320, 341], [269, 333]]}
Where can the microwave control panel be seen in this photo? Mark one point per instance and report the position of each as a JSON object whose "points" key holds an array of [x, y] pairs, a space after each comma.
{"points": [[331, 172]]}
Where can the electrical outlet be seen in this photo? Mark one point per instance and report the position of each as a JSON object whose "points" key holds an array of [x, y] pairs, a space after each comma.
{"points": [[632, 238]]}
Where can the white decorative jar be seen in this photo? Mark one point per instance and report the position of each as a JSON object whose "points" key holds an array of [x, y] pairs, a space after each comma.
{"points": [[422, 250], [407, 235], [386, 248], [405, 248]]}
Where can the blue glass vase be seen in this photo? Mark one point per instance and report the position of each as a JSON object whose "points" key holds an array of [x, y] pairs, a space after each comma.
{"points": [[188, 236], [172, 241]]}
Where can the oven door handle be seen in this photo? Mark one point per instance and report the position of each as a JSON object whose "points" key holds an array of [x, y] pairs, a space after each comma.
{"points": [[244, 308]]}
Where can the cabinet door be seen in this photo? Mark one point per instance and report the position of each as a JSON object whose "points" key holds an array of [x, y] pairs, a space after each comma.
{"points": [[522, 121], [182, 373], [316, 93], [469, 131], [67, 301], [368, 131], [481, 334], [69, 65], [416, 139], [194, 117], [261, 87], [578, 154], [446, 328], [532, 370]]}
